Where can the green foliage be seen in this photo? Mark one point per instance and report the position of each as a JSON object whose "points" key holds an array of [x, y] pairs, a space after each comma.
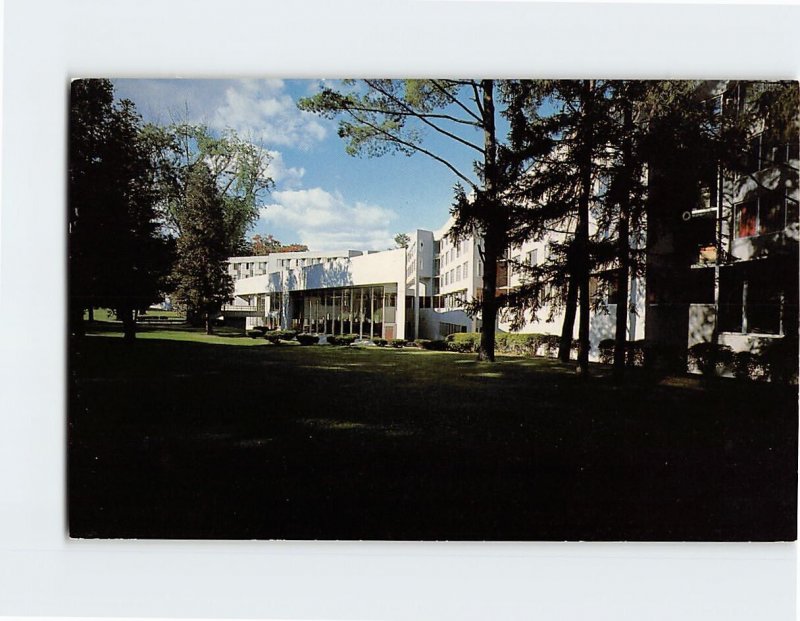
{"points": [[118, 257], [201, 280], [402, 240], [380, 342], [397, 343], [463, 341], [436, 345], [237, 167], [708, 357], [308, 339], [276, 336], [342, 339], [257, 331]]}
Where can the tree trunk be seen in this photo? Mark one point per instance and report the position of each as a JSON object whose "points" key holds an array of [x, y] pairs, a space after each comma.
{"points": [[489, 300], [209, 324], [582, 231], [128, 323], [568, 327], [623, 245], [494, 228], [91, 313]]}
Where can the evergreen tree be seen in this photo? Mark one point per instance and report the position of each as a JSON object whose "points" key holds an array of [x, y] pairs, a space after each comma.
{"points": [[200, 276], [560, 131]]}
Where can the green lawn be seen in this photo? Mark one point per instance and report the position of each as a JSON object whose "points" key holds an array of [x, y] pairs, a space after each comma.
{"points": [[177, 436]]}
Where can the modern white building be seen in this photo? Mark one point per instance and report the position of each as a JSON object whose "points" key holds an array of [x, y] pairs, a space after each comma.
{"points": [[415, 292]]}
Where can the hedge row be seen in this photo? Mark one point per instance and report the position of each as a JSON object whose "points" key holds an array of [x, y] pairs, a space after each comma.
{"points": [[777, 361], [533, 344]]}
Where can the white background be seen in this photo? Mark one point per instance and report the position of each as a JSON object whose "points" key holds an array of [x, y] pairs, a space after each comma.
{"points": [[42, 573]]}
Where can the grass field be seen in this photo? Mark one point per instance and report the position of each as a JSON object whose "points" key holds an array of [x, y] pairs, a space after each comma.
{"points": [[178, 436]]}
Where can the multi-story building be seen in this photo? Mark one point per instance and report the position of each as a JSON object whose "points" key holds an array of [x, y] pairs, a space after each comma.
{"points": [[420, 291]]}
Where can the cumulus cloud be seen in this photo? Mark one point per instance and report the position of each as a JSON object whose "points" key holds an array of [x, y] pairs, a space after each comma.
{"points": [[325, 221], [263, 110], [289, 177]]}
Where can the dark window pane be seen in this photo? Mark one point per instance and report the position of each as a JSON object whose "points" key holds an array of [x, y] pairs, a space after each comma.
{"points": [[763, 306], [771, 214], [730, 301]]}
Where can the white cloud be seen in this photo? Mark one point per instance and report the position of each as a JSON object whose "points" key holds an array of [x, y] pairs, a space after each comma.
{"points": [[288, 177], [262, 110], [325, 221]]}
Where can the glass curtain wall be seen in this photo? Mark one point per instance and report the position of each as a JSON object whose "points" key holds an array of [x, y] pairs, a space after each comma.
{"points": [[348, 310]]}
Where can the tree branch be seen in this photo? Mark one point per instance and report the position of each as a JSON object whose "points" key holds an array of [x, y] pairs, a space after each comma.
{"points": [[392, 138], [456, 101], [422, 117]]}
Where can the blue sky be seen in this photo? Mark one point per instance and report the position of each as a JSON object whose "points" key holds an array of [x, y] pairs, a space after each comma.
{"points": [[323, 197]]}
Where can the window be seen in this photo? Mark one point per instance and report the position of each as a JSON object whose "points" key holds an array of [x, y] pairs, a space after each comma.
{"points": [[465, 269], [750, 300], [762, 307], [452, 276], [532, 258], [769, 213], [751, 161], [458, 272]]}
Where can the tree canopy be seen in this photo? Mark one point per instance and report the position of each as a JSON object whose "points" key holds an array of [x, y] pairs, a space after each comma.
{"points": [[118, 257]]}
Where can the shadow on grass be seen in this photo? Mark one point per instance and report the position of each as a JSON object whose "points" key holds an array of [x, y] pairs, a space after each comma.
{"points": [[174, 438]]}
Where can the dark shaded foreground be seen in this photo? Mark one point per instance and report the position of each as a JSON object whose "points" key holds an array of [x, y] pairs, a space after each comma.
{"points": [[173, 439]]}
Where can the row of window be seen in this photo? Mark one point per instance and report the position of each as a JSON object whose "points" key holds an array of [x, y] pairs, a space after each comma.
{"points": [[456, 274], [455, 252]]}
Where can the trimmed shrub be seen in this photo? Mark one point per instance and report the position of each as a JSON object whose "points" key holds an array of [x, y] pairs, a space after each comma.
{"points": [[779, 358], [463, 342], [706, 357], [747, 365], [421, 343], [397, 343], [308, 339], [607, 347], [342, 339], [275, 336], [380, 342], [437, 345], [256, 331]]}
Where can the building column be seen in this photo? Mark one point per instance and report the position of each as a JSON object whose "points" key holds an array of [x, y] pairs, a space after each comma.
{"points": [[361, 315]]}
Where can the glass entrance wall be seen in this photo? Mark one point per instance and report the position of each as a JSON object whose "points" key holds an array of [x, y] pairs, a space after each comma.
{"points": [[363, 310]]}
